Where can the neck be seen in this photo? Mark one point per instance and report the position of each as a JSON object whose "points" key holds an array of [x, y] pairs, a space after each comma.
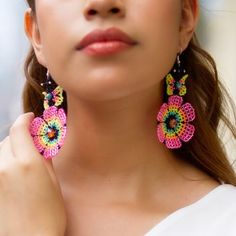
{"points": [[114, 140]]}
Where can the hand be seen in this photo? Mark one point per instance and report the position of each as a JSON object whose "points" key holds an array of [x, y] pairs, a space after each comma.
{"points": [[31, 203]]}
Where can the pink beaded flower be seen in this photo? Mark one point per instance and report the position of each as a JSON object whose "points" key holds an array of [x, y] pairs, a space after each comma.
{"points": [[173, 122], [49, 131]]}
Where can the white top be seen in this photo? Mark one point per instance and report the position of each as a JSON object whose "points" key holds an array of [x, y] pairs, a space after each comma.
{"points": [[212, 215]]}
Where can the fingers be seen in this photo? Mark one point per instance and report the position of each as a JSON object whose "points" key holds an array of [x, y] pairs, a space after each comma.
{"points": [[6, 154], [19, 146], [23, 147], [21, 141]]}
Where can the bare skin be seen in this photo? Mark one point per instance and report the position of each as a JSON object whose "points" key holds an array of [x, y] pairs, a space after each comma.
{"points": [[31, 202], [114, 174]]}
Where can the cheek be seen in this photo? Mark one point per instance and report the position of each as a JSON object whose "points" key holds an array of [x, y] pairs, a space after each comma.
{"points": [[55, 19], [161, 21]]}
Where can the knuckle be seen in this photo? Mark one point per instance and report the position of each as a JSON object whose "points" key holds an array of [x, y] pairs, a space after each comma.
{"points": [[3, 172], [3, 179], [6, 167], [26, 166]]}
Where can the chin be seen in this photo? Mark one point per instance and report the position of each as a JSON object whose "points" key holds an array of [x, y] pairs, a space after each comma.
{"points": [[103, 89]]}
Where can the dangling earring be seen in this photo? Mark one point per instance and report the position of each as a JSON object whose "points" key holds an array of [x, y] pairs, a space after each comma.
{"points": [[174, 117], [49, 130]]}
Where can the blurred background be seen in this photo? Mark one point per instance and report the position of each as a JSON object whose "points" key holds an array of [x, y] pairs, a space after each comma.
{"points": [[216, 32], [13, 47]]}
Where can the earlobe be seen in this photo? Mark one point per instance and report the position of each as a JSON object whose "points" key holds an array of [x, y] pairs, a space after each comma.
{"points": [[33, 34]]}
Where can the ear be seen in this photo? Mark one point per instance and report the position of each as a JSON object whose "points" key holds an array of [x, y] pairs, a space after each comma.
{"points": [[189, 20], [33, 34]]}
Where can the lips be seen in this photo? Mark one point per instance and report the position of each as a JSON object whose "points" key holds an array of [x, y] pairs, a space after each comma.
{"points": [[109, 35]]}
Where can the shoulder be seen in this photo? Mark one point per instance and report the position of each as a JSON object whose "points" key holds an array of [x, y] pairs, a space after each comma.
{"points": [[220, 199], [225, 194], [217, 212], [213, 215], [224, 216], [225, 200]]}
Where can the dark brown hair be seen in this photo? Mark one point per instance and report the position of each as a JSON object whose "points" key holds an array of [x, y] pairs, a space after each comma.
{"points": [[205, 92]]}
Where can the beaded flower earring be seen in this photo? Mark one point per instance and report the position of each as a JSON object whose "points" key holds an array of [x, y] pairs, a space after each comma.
{"points": [[49, 130], [173, 118]]}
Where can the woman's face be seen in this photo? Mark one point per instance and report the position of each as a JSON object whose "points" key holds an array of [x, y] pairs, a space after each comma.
{"points": [[157, 26]]}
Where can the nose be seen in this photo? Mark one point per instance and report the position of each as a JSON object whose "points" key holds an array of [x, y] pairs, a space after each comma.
{"points": [[104, 8]]}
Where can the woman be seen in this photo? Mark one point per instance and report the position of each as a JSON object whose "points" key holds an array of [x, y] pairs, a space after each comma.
{"points": [[120, 150]]}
